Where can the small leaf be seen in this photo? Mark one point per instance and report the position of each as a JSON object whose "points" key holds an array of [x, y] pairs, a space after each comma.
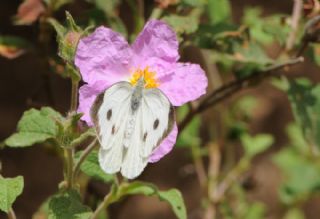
{"points": [[173, 197], [10, 189], [182, 24], [34, 127], [91, 167], [219, 11], [256, 144], [68, 206], [302, 175]]}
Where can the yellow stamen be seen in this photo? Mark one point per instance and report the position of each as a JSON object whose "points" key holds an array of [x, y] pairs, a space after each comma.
{"points": [[149, 78]]}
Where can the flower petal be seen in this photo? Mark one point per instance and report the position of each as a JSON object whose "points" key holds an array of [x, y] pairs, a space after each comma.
{"points": [[185, 83], [156, 47], [103, 55], [87, 95], [166, 146]]}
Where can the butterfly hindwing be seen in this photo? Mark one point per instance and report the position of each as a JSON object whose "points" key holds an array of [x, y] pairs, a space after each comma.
{"points": [[154, 121]]}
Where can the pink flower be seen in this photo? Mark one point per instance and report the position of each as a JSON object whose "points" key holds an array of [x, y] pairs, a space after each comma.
{"points": [[105, 58]]}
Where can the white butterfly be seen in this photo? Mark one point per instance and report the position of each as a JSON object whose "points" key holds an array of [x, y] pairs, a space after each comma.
{"points": [[130, 121]]}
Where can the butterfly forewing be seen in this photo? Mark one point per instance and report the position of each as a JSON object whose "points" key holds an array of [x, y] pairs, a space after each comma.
{"points": [[153, 120]]}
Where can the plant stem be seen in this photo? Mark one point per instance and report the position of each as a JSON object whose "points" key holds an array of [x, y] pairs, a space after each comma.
{"points": [[11, 214], [156, 13], [83, 156], [69, 155], [199, 167], [231, 177], [74, 96], [103, 205], [231, 88], [296, 15]]}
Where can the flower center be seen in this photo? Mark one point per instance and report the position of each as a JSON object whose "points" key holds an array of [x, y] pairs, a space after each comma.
{"points": [[149, 78]]}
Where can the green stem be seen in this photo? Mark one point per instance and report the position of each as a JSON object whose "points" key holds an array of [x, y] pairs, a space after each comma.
{"points": [[74, 96], [69, 158], [103, 205], [156, 13], [83, 156]]}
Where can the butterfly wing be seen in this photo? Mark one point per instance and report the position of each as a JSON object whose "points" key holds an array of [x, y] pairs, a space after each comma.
{"points": [[109, 114], [154, 121]]}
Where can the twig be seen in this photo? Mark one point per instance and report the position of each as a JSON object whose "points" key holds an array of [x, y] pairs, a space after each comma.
{"points": [[229, 89], [231, 177], [103, 205], [213, 173], [296, 15], [11, 214], [83, 156], [199, 167]]}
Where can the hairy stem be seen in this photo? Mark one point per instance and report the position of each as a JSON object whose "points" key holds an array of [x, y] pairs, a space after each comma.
{"points": [[69, 159], [74, 96]]}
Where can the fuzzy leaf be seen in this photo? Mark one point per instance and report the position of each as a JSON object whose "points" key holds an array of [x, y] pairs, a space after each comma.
{"points": [[256, 144], [219, 11], [182, 24], [68, 206], [10, 189], [34, 127], [92, 168], [173, 197]]}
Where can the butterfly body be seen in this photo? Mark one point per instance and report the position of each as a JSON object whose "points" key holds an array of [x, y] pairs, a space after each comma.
{"points": [[130, 121]]}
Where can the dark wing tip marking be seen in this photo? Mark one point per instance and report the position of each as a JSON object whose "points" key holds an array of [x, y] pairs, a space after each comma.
{"points": [[109, 114], [145, 137], [155, 124], [113, 130]]}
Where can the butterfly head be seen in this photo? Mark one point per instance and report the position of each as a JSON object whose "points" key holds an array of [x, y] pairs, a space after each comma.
{"points": [[144, 78]]}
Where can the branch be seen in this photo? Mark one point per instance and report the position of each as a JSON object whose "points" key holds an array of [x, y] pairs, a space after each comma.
{"points": [[229, 89], [296, 15]]}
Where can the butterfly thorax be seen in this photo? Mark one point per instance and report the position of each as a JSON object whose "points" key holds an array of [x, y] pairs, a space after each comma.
{"points": [[137, 95]]}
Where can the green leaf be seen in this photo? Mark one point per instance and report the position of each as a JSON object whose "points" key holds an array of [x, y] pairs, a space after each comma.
{"points": [[296, 137], [265, 30], [10, 189], [173, 197], [305, 103], [182, 24], [294, 213], [91, 167], [256, 144], [34, 127], [68, 206], [219, 11], [302, 175]]}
